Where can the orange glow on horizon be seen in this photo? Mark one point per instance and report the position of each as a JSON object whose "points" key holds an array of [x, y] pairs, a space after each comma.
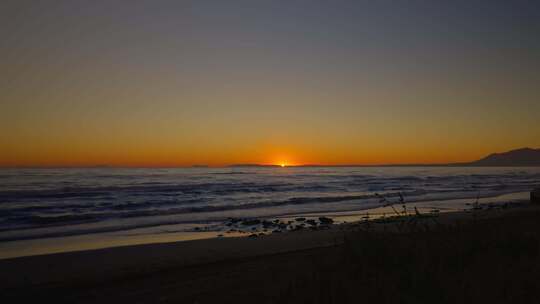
{"points": [[162, 155]]}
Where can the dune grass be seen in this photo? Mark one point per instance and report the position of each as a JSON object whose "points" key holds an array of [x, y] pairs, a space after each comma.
{"points": [[488, 261]]}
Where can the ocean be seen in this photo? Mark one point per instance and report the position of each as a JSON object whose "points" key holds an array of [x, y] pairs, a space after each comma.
{"points": [[39, 204]]}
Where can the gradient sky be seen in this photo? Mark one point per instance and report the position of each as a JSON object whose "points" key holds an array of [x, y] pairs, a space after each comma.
{"points": [[173, 83]]}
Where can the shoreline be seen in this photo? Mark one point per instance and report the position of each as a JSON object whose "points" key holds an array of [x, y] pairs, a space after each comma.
{"points": [[168, 234], [76, 274], [218, 247]]}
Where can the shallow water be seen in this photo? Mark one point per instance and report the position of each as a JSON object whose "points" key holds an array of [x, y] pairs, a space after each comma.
{"points": [[45, 203]]}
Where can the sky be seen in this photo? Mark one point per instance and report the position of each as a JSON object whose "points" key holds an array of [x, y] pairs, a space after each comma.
{"points": [[180, 83]]}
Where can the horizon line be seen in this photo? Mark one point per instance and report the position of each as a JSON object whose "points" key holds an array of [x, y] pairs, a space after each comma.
{"points": [[474, 163], [460, 164]]}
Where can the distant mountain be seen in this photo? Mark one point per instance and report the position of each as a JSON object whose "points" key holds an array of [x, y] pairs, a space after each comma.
{"points": [[524, 157]]}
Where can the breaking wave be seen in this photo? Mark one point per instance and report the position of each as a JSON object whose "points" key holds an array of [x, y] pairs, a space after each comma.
{"points": [[40, 199]]}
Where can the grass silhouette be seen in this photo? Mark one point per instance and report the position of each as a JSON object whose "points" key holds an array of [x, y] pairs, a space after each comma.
{"points": [[485, 261]]}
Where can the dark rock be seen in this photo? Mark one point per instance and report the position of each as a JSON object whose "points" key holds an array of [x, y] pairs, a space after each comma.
{"points": [[267, 224], [251, 222], [326, 220], [312, 222], [300, 219]]}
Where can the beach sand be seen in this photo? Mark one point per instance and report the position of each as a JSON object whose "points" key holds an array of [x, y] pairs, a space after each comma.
{"points": [[225, 269]]}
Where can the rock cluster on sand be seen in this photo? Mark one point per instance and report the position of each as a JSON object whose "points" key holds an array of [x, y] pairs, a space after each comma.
{"points": [[261, 226]]}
